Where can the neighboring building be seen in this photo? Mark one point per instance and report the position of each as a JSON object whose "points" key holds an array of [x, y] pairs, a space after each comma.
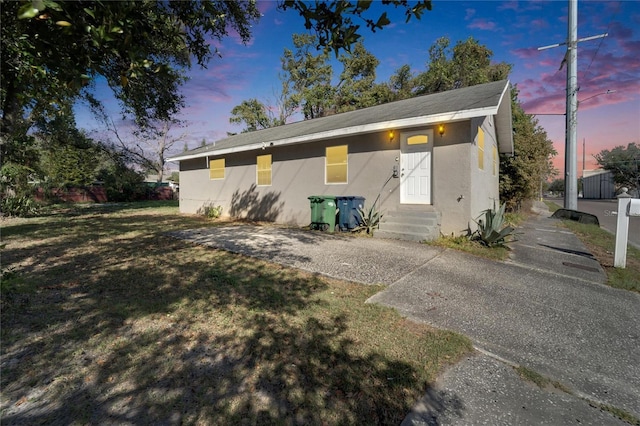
{"points": [[598, 184], [432, 160]]}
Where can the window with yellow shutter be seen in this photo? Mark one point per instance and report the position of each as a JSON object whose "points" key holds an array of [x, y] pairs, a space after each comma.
{"points": [[336, 165], [216, 169], [263, 170]]}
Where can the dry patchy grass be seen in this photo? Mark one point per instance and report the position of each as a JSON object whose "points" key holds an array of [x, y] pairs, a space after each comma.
{"points": [[601, 244], [112, 322]]}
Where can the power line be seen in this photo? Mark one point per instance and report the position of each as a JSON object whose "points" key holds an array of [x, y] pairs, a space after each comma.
{"points": [[571, 59], [586, 72]]}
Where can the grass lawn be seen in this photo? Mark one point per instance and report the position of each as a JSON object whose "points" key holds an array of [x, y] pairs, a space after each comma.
{"points": [[601, 244], [105, 320]]}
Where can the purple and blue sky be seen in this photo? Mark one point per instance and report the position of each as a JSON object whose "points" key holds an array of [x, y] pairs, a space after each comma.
{"points": [[512, 30]]}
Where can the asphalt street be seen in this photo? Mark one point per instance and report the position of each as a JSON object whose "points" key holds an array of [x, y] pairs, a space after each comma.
{"points": [[606, 212]]}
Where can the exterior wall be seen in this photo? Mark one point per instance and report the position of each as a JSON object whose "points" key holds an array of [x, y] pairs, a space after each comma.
{"points": [[298, 171], [598, 186], [484, 184], [451, 177]]}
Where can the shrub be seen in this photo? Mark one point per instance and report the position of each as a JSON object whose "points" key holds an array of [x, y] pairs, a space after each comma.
{"points": [[19, 205], [490, 231], [213, 212]]}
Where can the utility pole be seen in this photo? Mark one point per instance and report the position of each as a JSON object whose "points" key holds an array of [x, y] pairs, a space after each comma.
{"points": [[570, 157], [570, 153]]}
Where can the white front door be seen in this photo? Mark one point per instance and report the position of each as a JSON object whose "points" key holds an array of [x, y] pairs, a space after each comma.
{"points": [[415, 167]]}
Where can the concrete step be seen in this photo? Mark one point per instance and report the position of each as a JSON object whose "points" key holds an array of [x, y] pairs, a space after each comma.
{"points": [[408, 236], [414, 223]]}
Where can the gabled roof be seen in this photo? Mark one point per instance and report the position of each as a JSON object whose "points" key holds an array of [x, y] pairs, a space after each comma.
{"points": [[453, 105]]}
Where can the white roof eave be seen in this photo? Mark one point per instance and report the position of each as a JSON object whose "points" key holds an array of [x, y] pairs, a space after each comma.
{"points": [[349, 131]]}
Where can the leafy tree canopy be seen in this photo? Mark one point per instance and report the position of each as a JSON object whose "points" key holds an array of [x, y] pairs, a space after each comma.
{"points": [[335, 23], [522, 173], [307, 77], [52, 52], [624, 162], [253, 114], [468, 63], [357, 85], [557, 185]]}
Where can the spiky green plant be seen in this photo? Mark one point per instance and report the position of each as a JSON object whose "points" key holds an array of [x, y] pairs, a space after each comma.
{"points": [[490, 231], [369, 221]]}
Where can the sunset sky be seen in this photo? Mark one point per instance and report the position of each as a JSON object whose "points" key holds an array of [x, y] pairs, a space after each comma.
{"points": [[512, 30]]}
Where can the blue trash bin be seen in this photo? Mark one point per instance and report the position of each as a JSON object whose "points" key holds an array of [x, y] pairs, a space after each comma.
{"points": [[348, 215]]}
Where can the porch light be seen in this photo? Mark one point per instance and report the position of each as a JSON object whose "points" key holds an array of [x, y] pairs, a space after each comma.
{"points": [[441, 130], [391, 135]]}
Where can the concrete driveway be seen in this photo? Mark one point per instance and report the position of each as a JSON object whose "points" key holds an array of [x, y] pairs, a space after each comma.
{"points": [[546, 309]]}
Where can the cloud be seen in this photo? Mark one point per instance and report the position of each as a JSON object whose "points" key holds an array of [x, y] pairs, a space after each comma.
{"points": [[619, 31], [526, 53], [469, 14], [214, 84], [547, 94], [508, 5], [539, 24], [631, 47], [520, 6], [482, 24]]}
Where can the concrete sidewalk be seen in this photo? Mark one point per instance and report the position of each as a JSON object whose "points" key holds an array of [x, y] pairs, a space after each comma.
{"points": [[546, 309]]}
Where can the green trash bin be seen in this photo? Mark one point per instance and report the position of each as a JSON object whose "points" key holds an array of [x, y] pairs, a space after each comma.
{"points": [[323, 212]]}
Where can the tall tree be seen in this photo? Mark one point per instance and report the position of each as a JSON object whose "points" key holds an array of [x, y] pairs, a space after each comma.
{"points": [[149, 148], [522, 174], [402, 83], [253, 114], [53, 51], [67, 155], [357, 87], [307, 77], [467, 64], [624, 162]]}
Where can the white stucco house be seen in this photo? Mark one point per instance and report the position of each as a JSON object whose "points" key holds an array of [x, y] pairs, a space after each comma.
{"points": [[431, 161]]}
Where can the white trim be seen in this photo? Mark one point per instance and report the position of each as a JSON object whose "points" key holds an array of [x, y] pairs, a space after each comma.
{"points": [[354, 130]]}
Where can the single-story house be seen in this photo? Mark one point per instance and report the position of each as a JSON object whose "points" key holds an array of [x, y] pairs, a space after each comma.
{"points": [[431, 162]]}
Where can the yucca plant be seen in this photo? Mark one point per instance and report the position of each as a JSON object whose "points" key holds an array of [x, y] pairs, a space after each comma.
{"points": [[369, 221], [490, 231]]}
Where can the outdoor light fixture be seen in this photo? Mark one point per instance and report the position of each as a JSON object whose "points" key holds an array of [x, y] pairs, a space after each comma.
{"points": [[390, 135], [441, 130]]}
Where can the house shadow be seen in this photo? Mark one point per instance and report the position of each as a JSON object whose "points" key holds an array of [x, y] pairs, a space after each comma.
{"points": [[254, 205], [185, 336]]}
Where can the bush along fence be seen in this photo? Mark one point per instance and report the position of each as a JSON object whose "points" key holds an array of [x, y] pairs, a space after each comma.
{"points": [[98, 194]]}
